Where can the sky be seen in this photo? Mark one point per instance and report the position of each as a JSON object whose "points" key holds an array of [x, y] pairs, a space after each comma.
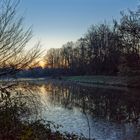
{"points": [[55, 22]]}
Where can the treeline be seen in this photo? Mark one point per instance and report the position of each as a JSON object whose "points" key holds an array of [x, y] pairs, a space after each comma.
{"points": [[38, 72], [105, 49]]}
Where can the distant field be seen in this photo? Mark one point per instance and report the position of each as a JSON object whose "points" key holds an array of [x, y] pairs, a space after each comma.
{"points": [[105, 80]]}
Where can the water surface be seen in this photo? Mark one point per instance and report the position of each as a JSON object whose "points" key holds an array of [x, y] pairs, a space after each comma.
{"points": [[95, 112]]}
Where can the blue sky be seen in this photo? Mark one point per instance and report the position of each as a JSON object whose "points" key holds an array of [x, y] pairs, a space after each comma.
{"points": [[57, 21]]}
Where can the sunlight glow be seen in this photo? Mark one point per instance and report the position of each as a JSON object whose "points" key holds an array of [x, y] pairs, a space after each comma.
{"points": [[42, 64]]}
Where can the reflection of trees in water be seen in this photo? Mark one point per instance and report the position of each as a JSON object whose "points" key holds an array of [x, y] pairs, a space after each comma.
{"points": [[27, 95], [117, 105], [18, 104]]}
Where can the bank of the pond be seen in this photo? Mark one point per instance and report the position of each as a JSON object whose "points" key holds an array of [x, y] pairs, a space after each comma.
{"points": [[92, 80], [105, 80]]}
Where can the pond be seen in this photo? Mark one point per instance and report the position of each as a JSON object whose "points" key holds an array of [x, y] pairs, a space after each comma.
{"points": [[96, 112]]}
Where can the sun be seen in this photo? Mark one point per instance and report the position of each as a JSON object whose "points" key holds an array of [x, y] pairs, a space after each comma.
{"points": [[42, 64]]}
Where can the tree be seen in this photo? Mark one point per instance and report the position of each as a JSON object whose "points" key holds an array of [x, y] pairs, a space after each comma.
{"points": [[14, 57], [13, 40], [105, 49], [130, 35]]}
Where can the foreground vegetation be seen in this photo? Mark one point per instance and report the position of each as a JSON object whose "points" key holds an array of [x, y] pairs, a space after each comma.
{"points": [[33, 131]]}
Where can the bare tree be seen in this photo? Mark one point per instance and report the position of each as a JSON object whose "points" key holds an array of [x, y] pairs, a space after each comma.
{"points": [[130, 35], [13, 40]]}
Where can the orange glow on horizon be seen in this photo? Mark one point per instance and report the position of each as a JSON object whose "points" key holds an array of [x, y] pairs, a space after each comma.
{"points": [[42, 64]]}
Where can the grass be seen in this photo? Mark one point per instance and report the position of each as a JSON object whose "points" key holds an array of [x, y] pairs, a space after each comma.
{"points": [[106, 80]]}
